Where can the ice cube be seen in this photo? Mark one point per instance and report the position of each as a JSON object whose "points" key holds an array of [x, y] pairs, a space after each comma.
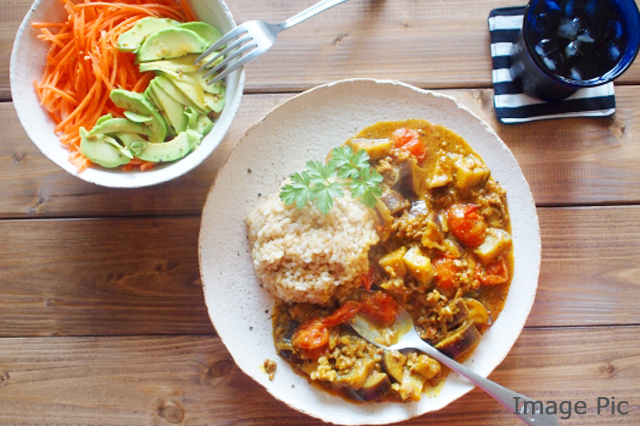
{"points": [[614, 28], [569, 28], [575, 73], [544, 47], [585, 37], [549, 63], [614, 52], [571, 49]]}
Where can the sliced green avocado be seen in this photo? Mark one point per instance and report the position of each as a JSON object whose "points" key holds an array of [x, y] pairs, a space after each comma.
{"points": [[101, 150], [194, 138], [214, 89], [171, 43], [214, 103], [166, 151], [189, 86], [179, 65], [116, 125], [136, 102], [204, 125], [137, 118], [104, 118], [172, 110], [131, 40], [176, 94], [204, 30]]}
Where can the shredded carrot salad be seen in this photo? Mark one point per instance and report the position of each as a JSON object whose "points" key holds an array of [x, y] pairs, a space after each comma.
{"points": [[83, 64]]}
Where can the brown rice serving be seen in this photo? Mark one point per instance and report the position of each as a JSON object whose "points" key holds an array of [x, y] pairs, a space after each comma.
{"points": [[305, 256]]}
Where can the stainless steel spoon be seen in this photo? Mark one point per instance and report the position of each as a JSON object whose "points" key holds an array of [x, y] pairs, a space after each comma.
{"points": [[407, 337]]}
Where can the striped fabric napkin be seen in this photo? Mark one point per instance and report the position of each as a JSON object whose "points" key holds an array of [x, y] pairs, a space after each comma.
{"points": [[513, 106]]}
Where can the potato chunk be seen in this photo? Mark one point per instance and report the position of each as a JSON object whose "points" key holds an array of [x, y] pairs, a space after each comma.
{"points": [[393, 263], [419, 265], [497, 241], [376, 148], [470, 172]]}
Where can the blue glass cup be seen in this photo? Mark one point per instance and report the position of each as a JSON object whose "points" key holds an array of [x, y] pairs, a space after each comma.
{"points": [[566, 45]]}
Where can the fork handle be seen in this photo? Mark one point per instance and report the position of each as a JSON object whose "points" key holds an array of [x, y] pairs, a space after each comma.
{"points": [[321, 6], [513, 401]]}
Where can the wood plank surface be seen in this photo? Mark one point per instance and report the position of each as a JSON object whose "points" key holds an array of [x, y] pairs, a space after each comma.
{"points": [[418, 42], [191, 380], [567, 162], [140, 276]]}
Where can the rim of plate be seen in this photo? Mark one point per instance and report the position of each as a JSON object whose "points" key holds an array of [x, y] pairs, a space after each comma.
{"points": [[39, 126], [222, 274]]}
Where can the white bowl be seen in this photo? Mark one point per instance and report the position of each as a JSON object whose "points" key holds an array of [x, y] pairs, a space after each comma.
{"points": [[305, 128], [27, 64]]}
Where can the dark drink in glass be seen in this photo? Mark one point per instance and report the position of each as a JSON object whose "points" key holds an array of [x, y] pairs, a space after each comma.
{"points": [[568, 44]]}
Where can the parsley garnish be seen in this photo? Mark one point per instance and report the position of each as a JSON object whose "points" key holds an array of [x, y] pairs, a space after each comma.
{"points": [[320, 183]]}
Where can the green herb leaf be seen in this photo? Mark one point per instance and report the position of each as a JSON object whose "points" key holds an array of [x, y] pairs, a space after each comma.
{"points": [[298, 191], [324, 195], [321, 183], [366, 187]]}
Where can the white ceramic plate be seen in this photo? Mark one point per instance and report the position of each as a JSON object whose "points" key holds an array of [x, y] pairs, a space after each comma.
{"points": [[27, 65], [304, 128]]}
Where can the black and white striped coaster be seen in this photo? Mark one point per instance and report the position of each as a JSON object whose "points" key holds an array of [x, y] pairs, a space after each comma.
{"points": [[513, 106]]}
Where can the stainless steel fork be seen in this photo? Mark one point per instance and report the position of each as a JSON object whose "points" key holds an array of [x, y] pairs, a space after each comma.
{"points": [[252, 39]]}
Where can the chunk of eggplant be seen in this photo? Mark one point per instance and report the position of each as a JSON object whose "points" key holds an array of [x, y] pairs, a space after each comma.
{"points": [[460, 341], [357, 375], [460, 313], [375, 387], [395, 201], [393, 363], [412, 181], [477, 312], [427, 367]]}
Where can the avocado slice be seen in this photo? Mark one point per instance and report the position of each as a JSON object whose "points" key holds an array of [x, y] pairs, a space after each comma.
{"points": [[204, 125], [178, 65], [176, 94], [189, 87], [116, 125], [137, 118], [194, 138], [102, 150], [104, 118], [136, 102], [131, 40], [214, 103], [172, 110], [166, 151], [204, 30], [171, 43]]}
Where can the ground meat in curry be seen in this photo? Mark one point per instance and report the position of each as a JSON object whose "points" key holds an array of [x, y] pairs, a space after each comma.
{"points": [[444, 254]]}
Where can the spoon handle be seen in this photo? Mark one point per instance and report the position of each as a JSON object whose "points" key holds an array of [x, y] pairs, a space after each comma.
{"points": [[525, 408]]}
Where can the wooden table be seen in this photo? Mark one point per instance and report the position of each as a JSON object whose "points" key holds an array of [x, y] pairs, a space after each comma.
{"points": [[102, 319]]}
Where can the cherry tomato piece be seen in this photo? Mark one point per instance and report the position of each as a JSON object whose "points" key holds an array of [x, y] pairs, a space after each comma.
{"points": [[497, 272], [311, 334], [380, 307], [409, 140], [466, 224], [343, 314], [446, 271], [403, 136]]}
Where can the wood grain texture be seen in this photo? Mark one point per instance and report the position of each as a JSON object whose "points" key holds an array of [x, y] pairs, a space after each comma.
{"points": [[140, 276], [193, 381], [567, 162], [418, 42]]}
